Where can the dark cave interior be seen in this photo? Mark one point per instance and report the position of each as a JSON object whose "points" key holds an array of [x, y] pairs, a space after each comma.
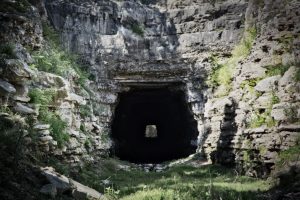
{"points": [[162, 107]]}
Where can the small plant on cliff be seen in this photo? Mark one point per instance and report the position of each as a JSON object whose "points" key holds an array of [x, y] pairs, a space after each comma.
{"points": [[85, 110], [52, 58], [273, 70], [46, 98], [221, 74], [137, 29]]}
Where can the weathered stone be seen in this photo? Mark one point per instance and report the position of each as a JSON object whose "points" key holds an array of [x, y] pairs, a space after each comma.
{"points": [[6, 88], [267, 84], [81, 192], [41, 126], [49, 189], [76, 98], [279, 111], [288, 77], [45, 138], [19, 107], [60, 182]]}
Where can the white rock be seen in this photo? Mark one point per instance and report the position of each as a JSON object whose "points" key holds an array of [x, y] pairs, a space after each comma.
{"points": [[267, 84], [81, 192]]}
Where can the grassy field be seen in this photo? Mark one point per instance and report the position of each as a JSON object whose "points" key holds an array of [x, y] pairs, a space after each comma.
{"points": [[180, 182]]}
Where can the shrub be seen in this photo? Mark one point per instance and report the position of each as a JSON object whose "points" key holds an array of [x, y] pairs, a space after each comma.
{"points": [[273, 70], [137, 29], [85, 110]]}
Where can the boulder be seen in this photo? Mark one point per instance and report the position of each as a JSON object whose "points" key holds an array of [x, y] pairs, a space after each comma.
{"points": [[20, 108], [288, 77], [60, 182], [267, 84], [6, 88], [49, 189], [81, 192]]}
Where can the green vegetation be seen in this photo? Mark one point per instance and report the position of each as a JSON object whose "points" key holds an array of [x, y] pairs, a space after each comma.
{"points": [[52, 58], [292, 154], [292, 113], [85, 110], [222, 73], [178, 182], [273, 70], [137, 29], [264, 118], [45, 98], [19, 6], [8, 50]]}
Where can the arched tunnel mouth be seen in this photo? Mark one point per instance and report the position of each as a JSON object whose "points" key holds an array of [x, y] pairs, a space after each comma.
{"points": [[153, 125]]}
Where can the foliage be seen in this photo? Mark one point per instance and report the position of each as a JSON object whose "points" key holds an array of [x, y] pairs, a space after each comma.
{"points": [[279, 69], [19, 6], [45, 98], [137, 29], [259, 119], [52, 58], [290, 155], [11, 139], [8, 50], [222, 72], [177, 182], [85, 110], [274, 99]]}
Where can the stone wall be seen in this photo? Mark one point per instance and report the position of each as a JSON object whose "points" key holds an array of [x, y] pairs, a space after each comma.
{"points": [[127, 44]]}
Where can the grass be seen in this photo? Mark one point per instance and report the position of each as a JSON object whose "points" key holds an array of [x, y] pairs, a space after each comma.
{"points": [[177, 182], [222, 73], [46, 98]]}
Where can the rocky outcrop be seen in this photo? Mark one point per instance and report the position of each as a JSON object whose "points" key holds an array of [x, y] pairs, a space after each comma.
{"points": [[246, 118]]}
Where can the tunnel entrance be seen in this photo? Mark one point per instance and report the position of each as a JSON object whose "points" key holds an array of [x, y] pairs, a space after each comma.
{"points": [[153, 125]]}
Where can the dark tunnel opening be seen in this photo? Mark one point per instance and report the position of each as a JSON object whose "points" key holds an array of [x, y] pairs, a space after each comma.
{"points": [[152, 126]]}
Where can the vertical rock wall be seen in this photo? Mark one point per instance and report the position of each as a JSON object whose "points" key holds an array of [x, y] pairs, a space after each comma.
{"points": [[126, 44]]}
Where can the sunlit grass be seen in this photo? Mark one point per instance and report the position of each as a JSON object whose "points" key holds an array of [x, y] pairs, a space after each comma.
{"points": [[177, 182]]}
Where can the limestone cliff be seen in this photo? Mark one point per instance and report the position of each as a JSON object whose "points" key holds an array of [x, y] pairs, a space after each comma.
{"points": [[236, 61]]}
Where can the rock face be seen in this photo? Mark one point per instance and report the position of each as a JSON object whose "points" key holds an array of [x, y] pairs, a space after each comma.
{"points": [[130, 44]]}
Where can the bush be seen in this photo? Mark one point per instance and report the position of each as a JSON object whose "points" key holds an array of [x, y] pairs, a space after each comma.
{"points": [[85, 110], [137, 29]]}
